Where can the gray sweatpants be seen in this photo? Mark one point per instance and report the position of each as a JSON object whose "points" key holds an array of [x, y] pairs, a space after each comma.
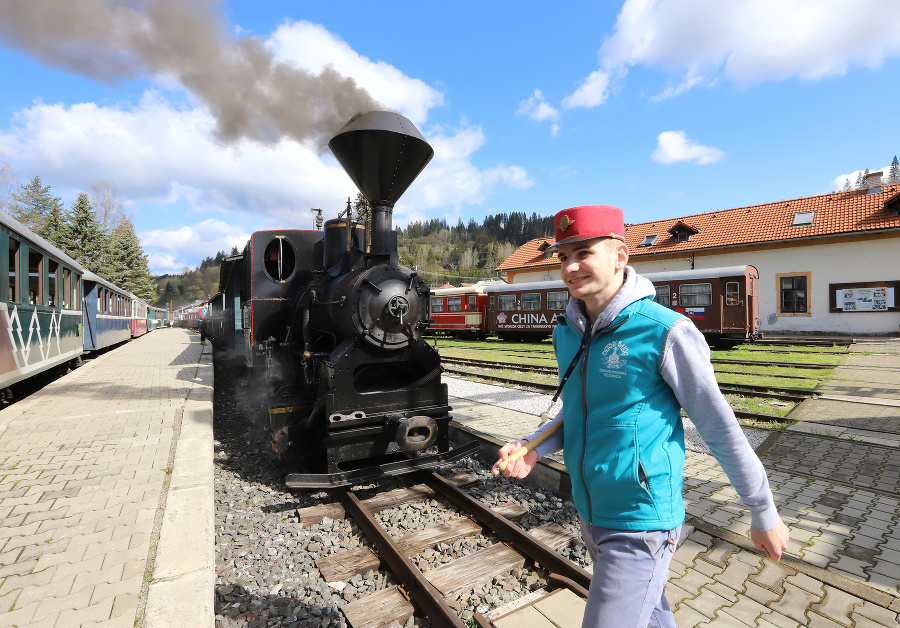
{"points": [[630, 573]]}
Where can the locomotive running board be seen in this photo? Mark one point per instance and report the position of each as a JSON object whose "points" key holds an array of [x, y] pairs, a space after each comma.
{"points": [[370, 474]]}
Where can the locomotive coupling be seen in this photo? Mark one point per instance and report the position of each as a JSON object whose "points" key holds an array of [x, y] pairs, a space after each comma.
{"points": [[414, 434]]}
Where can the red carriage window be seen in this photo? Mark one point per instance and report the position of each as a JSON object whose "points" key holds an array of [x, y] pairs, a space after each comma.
{"points": [[508, 302], [472, 303], [531, 301], [454, 304], [437, 304], [663, 295], [732, 293], [557, 300]]}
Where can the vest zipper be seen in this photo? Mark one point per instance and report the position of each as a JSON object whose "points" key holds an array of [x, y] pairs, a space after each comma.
{"points": [[584, 411]]}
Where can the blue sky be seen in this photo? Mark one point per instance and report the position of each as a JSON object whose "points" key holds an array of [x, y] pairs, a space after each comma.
{"points": [[662, 107]]}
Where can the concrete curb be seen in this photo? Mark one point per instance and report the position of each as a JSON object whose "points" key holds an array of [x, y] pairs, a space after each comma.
{"points": [[182, 592]]}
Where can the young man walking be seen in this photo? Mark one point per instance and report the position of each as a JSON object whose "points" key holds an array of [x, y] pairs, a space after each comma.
{"points": [[636, 364]]}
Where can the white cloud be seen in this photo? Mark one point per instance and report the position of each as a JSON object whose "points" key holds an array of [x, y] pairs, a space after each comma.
{"points": [[536, 108], [745, 42], [165, 247], [675, 146], [592, 92], [312, 47]]}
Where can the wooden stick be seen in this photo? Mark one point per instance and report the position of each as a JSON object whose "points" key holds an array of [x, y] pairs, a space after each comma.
{"points": [[524, 449]]}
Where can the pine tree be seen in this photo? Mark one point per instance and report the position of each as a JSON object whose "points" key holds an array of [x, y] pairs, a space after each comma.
{"points": [[56, 228], [86, 241], [126, 263], [847, 185], [861, 180], [894, 172], [32, 204]]}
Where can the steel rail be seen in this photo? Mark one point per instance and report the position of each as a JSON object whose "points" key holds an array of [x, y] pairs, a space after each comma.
{"points": [[417, 586], [509, 532], [795, 395]]}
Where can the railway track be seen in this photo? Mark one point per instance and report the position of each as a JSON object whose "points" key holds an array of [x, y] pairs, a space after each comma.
{"points": [[795, 395], [436, 593]]}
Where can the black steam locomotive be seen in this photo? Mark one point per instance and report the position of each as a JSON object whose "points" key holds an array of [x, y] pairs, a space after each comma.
{"points": [[333, 326]]}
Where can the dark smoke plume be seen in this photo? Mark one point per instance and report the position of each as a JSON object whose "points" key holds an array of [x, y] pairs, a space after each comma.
{"points": [[249, 94]]}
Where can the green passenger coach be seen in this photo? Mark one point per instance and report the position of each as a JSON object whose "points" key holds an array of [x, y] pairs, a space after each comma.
{"points": [[40, 311]]}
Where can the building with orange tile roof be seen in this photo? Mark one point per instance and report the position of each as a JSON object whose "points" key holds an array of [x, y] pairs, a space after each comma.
{"points": [[827, 246]]}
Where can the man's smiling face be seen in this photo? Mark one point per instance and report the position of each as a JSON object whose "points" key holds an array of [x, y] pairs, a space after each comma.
{"points": [[590, 270]]}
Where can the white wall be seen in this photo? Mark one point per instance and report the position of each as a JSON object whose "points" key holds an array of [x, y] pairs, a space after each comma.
{"points": [[542, 274], [872, 260]]}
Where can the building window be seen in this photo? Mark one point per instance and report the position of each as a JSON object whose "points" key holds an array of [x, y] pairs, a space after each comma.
{"points": [[531, 301], [507, 303], [454, 304], [473, 306], [696, 294], [557, 300], [794, 298], [437, 305], [663, 296], [649, 240], [13, 270], [802, 219], [682, 236], [732, 293]]}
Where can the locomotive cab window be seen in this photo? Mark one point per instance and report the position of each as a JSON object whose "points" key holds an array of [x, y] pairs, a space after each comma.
{"points": [[557, 300], [13, 270], [507, 302], [663, 295], [437, 304], [732, 293], [454, 304], [531, 301], [279, 260], [696, 294]]}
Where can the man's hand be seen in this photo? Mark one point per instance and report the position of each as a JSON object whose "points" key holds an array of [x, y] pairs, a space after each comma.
{"points": [[773, 542], [518, 468]]}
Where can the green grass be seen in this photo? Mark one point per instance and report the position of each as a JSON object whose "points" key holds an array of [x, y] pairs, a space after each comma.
{"points": [[760, 380], [760, 405], [788, 349], [788, 372], [798, 358]]}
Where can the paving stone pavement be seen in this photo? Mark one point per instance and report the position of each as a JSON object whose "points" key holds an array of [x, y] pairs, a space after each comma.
{"points": [[87, 465], [839, 495]]}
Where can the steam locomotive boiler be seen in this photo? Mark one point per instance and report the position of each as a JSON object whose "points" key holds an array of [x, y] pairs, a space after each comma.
{"points": [[334, 327]]}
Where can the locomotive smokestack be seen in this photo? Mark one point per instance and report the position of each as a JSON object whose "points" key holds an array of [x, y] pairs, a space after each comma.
{"points": [[383, 153]]}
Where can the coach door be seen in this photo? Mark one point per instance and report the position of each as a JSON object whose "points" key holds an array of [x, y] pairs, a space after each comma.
{"points": [[734, 306]]}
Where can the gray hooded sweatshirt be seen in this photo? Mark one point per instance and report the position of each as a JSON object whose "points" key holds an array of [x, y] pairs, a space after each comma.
{"points": [[685, 366]]}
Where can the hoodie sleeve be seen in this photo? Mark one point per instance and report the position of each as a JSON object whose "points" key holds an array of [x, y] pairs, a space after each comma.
{"points": [[685, 365], [554, 442]]}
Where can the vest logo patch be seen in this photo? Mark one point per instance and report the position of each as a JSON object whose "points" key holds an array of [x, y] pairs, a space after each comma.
{"points": [[615, 353]]}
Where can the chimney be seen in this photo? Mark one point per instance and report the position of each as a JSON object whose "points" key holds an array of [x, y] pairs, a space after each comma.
{"points": [[873, 183]]}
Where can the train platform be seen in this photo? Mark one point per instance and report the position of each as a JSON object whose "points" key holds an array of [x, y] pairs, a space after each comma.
{"points": [[106, 492], [835, 476]]}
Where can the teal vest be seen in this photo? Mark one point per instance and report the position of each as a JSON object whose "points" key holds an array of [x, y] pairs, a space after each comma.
{"points": [[624, 439]]}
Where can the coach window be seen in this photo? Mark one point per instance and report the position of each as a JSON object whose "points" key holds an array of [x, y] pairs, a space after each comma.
{"points": [[507, 302], [794, 299], [732, 293], [53, 283], [454, 304], [66, 288], [696, 294], [76, 293], [473, 305], [437, 305], [557, 300], [13, 270], [663, 296], [35, 277], [531, 301]]}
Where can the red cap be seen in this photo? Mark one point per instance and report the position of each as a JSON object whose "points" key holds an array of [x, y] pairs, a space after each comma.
{"points": [[589, 221]]}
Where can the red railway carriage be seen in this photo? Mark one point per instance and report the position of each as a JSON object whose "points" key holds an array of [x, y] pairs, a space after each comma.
{"points": [[459, 311], [722, 302], [525, 310]]}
